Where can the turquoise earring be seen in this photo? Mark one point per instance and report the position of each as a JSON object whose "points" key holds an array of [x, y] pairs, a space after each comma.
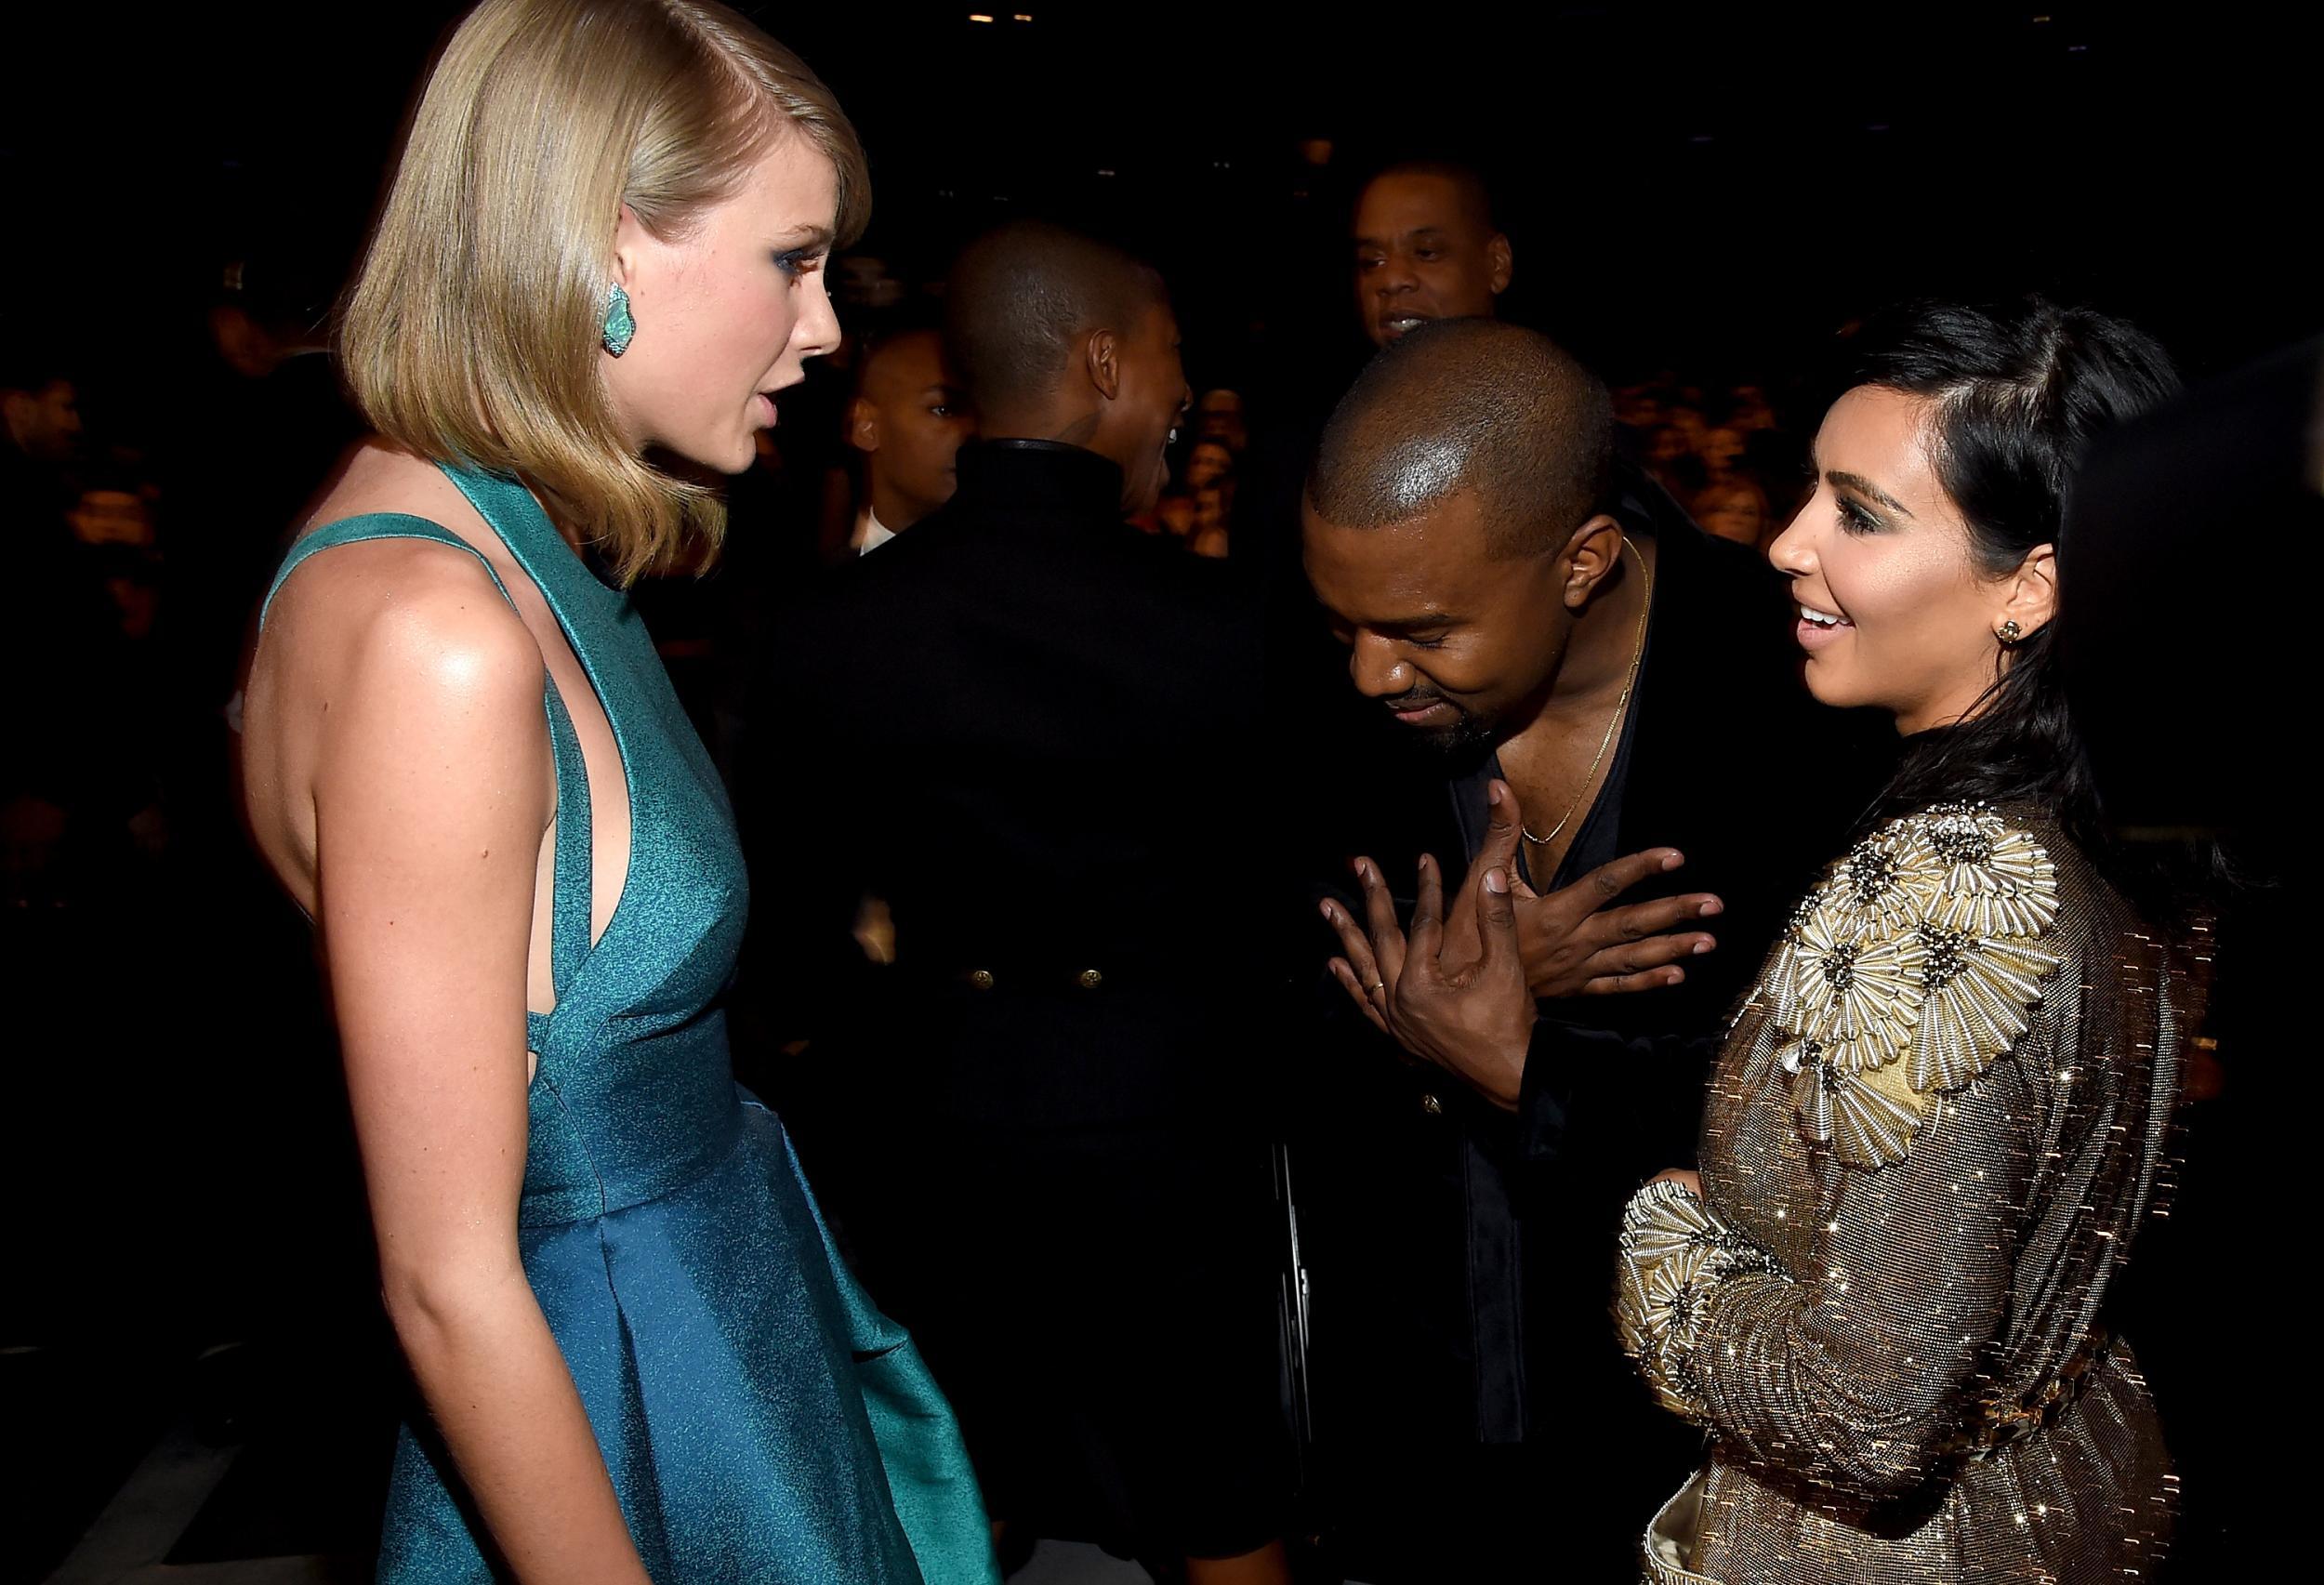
{"points": [[619, 326]]}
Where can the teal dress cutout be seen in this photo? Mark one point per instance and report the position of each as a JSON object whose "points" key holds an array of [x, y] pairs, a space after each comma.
{"points": [[761, 1421]]}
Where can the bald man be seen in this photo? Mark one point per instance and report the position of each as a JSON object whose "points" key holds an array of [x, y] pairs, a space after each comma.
{"points": [[1038, 723], [1513, 618], [1425, 245]]}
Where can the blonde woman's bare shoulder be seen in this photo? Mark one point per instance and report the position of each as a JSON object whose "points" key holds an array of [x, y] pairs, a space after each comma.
{"points": [[384, 665], [391, 611], [399, 612]]}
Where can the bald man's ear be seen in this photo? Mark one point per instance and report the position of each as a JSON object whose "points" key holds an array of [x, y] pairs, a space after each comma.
{"points": [[863, 424], [1592, 551], [1502, 261], [1101, 356]]}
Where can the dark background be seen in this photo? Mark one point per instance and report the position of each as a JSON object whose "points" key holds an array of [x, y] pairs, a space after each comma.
{"points": [[1704, 188], [1709, 191]]}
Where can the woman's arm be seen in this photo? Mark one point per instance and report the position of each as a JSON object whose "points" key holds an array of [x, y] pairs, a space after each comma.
{"points": [[433, 787], [1863, 1369], [1917, 1033]]}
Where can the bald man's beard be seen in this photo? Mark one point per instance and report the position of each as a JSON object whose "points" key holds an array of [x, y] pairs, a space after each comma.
{"points": [[1468, 736]]}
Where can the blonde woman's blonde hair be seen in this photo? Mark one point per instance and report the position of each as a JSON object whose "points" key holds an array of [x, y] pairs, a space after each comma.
{"points": [[471, 333]]}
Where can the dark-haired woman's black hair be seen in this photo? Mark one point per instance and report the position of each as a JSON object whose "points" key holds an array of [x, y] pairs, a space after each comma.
{"points": [[2016, 395]]}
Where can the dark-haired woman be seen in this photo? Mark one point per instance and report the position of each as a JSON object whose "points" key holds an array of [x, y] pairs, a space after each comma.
{"points": [[1939, 1115]]}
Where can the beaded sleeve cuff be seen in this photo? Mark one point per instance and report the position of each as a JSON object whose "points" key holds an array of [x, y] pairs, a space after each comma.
{"points": [[1675, 1250]]}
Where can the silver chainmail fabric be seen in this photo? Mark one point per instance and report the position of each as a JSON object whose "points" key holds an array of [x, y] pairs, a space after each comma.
{"points": [[1934, 1125]]}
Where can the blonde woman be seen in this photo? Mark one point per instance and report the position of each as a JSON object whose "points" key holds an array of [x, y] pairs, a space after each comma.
{"points": [[639, 1356]]}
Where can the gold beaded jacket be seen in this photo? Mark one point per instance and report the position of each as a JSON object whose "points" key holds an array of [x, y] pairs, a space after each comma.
{"points": [[1934, 1128]]}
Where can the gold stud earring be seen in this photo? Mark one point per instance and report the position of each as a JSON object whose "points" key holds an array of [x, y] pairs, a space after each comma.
{"points": [[2011, 632]]}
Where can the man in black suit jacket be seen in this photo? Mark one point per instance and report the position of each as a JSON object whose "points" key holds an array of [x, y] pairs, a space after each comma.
{"points": [[1023, 726], [1523, 614]]}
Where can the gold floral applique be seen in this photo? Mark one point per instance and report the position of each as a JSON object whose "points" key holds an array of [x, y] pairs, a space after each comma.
{"points": [[1997, 881], [1868, 1119], [1911, 968], [1884, 884], [1859, 990], [1778, 990]]}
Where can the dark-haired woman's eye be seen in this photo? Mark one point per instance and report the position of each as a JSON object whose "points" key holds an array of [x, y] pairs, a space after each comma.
{"points": [[797, 262], [1855, 520]]}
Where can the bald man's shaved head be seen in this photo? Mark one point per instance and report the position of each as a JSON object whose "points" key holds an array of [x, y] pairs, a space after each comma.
{"points": [[1020, 299], [1470, 405]]}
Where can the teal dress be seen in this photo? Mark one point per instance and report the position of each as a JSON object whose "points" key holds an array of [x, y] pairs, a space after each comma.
{"points": [[760, 1420]]}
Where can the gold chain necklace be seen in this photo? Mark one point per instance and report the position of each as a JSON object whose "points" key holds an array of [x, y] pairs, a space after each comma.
{"points": [[1637, 654]]}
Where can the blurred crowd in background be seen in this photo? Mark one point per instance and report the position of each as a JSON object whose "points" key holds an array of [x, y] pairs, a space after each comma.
{"points": [[145, 536], [166, 416]]}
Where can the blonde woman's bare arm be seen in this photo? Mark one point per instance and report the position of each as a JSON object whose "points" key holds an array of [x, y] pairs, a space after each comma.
{"points": [[433, 787]]}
